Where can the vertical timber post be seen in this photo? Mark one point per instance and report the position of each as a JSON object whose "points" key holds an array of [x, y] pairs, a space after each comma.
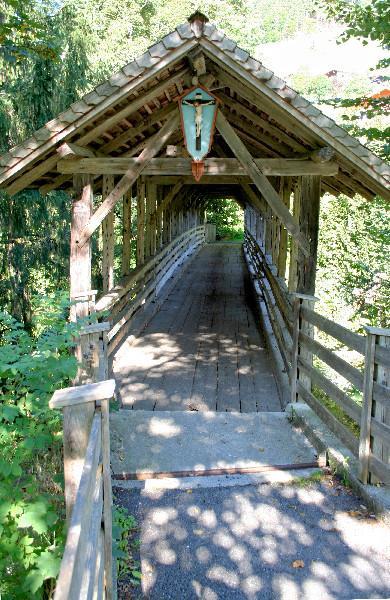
{"points": [[77, 420], [108, 238], [285, 190], [309, 214], [140, 221], [371, 408], [126, 233]]}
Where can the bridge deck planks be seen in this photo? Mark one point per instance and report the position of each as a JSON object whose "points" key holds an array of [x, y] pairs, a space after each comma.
{"points": [[202, 350]]}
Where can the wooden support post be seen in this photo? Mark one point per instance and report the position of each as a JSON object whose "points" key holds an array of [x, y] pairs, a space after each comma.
{"points": [[140, 221], [300, 326], [365, 424], [150, 234], [370, 408], [77, 420], [159, 220], [126, 233], [108, 238], [293, 268], [285, 192], [309, 215]]}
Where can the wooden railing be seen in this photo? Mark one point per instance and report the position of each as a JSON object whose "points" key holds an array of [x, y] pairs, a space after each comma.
{"points": [[143, 285], [294, 323], [86, 568]]}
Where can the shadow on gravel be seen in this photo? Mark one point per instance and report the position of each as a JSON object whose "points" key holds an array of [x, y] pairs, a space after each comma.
{"points": [[281, 542]]}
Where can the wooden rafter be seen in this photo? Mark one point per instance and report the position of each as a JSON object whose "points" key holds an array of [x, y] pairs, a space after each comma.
{"points": [[151, 149], [261, 181]]}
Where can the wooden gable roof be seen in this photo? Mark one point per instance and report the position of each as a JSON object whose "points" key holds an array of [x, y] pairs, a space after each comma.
{"points": [[118, 116]]}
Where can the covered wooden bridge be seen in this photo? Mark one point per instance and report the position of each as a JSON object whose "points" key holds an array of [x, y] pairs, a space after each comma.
{"points": [[196, 326]]}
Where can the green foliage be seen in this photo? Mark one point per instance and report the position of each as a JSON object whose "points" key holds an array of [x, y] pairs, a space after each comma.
{"points": [[228, 218], [366, 21], [354, 271], [24, 31], [124, 530], [31, 494]]}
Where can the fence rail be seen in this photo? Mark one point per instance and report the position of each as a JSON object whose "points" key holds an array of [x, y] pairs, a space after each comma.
{"points": [[86, 567], [145, 283], [294, 322]]}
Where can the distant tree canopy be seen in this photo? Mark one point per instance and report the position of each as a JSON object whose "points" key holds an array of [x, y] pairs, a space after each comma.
{"points": [[366, 21]]}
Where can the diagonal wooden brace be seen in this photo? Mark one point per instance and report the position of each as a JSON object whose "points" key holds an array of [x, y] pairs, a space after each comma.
{"points": [[260, 180], [152, 148]]}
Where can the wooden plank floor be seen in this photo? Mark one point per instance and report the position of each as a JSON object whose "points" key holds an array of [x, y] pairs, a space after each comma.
{"points": [[203, 349]]}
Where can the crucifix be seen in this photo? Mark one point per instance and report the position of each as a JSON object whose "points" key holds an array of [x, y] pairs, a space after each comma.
{"points": [[198, 103], [198, 110]]}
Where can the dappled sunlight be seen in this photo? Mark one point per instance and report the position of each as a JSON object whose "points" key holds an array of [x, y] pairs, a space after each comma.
{"points": [[244, 542], [203, 349], [163, 427]]}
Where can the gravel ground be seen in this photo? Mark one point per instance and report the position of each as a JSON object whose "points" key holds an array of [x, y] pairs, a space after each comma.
{"points": [[289, 542]]}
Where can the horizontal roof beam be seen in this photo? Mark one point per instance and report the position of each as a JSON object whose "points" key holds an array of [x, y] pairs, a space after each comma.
{"points": [[182, 166]]}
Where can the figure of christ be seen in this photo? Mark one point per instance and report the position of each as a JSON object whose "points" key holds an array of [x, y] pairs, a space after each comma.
{"points": [[198, 105]]}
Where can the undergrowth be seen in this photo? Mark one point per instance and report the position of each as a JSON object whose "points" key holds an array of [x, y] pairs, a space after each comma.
{"points": [[32, 515]]}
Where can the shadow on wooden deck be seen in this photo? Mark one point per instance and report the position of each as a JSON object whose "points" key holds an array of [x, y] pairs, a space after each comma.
{"points": [[203, 349]]}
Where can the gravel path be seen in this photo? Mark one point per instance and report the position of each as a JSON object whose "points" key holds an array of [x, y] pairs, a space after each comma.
{"points": [[258, 542]]}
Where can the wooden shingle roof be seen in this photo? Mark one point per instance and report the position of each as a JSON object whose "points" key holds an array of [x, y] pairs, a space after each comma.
{"points": [[117, 116]]}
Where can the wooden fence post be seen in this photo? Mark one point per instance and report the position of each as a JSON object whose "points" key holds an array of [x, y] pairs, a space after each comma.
{"points": [[373, 373], [300, 301], [126, 233], [108, 237]]}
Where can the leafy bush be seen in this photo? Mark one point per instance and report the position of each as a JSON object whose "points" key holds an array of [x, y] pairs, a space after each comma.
{"points": [[32, 367], [228, 218]]}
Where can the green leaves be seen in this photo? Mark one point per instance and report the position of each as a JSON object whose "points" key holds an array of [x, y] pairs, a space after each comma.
{"points": [[31, 496]]}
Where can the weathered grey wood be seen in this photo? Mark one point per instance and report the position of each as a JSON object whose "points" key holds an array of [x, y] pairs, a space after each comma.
{"points": [[335, 362], [380, 469], [140, 221], [295, 349], [260, 180], [126, 233], [340, 333], [77, 420], [283, 237], [322, 155], [344, 434], [70, 150], [151, 149], [107, 506], [108, 237], [381, 410], [309, 214], [71, 571], [87, 587], [182, 166], [151, 208], [81, 394], [293, 268], [352, 409]]}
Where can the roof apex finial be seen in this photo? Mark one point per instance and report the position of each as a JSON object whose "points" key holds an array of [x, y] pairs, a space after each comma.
{"points": [[198, 20]]}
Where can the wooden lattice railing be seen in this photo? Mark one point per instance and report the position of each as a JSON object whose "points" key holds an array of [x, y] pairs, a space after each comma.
{"points": [[143, 285], [86, 567], [294, 325]]}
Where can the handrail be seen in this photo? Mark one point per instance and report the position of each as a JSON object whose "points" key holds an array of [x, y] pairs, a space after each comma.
{"points": [[86, 566], [294, 333], [145, 283]]}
